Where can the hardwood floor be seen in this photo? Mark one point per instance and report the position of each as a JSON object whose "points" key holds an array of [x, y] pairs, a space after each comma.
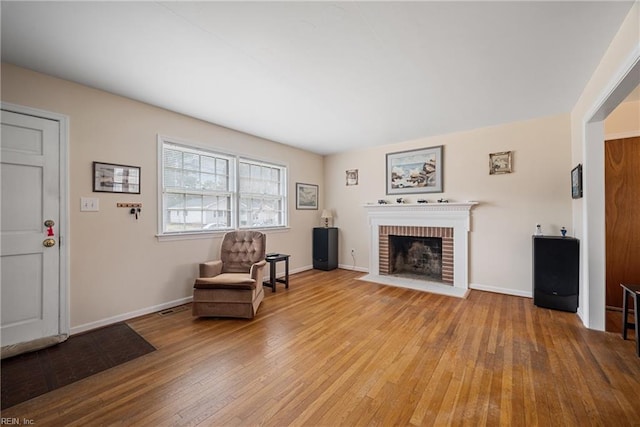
{"points": [[334, 350]]}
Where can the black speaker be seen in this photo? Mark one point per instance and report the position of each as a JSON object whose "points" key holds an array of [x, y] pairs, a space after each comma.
{"points": [[556, 272], [325, 248]]}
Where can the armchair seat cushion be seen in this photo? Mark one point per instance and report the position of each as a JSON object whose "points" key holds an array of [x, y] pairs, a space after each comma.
{"points": [[226, 281]]}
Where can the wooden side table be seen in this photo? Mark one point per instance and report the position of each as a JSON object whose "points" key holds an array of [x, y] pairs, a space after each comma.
{"points": [[632, 291], [273, 259]]}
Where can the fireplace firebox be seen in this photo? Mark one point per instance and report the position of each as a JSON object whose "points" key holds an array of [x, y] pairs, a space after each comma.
{"points": [[416, 257]]}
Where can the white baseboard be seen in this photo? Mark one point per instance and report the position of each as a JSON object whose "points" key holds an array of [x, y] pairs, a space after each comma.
{"points": [[515, 292], [127, 316], [353, 268]]}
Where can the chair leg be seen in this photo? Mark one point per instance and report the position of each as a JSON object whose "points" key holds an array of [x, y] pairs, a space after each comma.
{"points": [[625, 312], [636, 320]]}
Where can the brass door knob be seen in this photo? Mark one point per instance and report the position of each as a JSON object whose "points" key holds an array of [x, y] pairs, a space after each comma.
{"points": [[49, 242]]}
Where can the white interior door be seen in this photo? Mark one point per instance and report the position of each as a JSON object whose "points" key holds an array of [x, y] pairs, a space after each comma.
{"points": [[30, 271]]}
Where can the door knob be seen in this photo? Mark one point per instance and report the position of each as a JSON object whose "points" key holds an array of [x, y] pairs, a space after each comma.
{"points": [[49, 242]]}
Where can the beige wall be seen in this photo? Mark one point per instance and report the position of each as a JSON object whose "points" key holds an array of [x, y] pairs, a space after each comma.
{"points": [[610, 84], [538, 191], [118, 267], [624, 121]]}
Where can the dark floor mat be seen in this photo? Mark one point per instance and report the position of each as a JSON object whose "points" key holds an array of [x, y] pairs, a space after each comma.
{"points": [[29, 375]]}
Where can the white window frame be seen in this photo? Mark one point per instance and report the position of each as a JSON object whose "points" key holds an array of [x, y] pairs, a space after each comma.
{"points": [[234, 189]]}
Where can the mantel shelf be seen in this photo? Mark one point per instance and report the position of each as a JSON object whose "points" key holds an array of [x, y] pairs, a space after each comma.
{"points": [[449, 206]]}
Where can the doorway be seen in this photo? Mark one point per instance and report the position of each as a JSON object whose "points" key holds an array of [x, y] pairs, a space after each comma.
{"points": [[592, 219], [622, 222], [34, 226]]}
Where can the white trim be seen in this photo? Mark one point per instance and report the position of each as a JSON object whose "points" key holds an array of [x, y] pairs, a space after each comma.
{"points": [[63, 227], [215, 234], [505, 291], [352, 267], [129, 315], [593, 259]]}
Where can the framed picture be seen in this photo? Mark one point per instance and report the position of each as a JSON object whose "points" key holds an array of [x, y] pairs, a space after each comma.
{"points": [[576, 182], [415, 171], [352, 177], [500, 162], [112, 178], [306, 196]]}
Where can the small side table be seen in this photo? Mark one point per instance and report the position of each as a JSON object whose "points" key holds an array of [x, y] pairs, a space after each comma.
{"points": [[632, 291], [273, 259]]}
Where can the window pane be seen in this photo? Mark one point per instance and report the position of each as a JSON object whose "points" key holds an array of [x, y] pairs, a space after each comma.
{"points": [[266, 173], [222, 167], [245, 170], [191, 161], [255, 171], [208, 164], [245, 185], [172, 158], [191, 180], [208, 181], [172, 178]]}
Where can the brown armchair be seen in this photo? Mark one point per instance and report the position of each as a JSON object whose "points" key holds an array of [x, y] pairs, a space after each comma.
{"points": [[232, 286]]}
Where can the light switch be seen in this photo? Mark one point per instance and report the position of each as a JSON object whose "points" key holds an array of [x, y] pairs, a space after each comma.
{"points": [[89, 204]]}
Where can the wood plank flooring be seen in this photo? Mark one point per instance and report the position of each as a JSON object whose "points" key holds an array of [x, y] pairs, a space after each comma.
{"points": [[334, 350]]}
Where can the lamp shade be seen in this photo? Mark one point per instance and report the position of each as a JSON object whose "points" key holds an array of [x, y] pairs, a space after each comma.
{"points": [[326, 214]]}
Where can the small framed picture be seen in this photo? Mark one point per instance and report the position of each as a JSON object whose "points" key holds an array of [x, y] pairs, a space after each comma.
{"points": [[352, 177], [113, 178], [306, 196], [576, 182], [500, 162]]}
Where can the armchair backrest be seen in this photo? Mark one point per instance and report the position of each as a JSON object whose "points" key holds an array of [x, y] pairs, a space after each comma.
{"points": [[241, 249]]}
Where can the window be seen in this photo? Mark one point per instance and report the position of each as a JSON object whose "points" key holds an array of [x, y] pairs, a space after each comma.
{"points": [[201, 191], [262, 202]]}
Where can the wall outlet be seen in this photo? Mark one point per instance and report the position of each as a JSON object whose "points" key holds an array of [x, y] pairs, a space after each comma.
{"points": [[89, 204], [353, 251]]}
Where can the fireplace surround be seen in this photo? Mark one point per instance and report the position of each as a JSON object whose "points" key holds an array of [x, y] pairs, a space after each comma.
{"points": [[449, 221]]}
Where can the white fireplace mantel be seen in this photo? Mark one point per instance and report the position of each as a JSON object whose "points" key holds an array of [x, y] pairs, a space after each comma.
{"points": [[454, 215]]}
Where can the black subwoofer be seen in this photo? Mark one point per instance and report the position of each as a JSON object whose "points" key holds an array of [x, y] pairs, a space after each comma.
{"points": [[325, 248], [556, 272]]}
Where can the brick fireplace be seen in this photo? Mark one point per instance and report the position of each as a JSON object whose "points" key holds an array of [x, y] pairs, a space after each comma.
{"points": [[449, 223]]}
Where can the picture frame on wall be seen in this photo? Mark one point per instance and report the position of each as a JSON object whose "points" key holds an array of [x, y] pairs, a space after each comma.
{"points": [[352, 177], [415, 171], [576, 182], [306, 196], [500, 163], [115, 178]]}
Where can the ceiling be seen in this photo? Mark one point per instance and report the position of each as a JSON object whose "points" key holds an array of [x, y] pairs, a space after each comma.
{"points": [[324, 76]]}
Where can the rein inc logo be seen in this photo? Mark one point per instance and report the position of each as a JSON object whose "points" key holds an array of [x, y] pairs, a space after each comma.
{"points": [[16, 421]]}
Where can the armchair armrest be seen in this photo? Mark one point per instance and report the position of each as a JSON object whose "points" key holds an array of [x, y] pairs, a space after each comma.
{"points": [[257, 271], [210, 268]]}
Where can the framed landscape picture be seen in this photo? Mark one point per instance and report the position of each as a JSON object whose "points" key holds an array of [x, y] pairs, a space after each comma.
{"points": [[306, 196], [415, 171]]}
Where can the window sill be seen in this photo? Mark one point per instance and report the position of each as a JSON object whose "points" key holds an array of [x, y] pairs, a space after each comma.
{"points": [[214, 234]]}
